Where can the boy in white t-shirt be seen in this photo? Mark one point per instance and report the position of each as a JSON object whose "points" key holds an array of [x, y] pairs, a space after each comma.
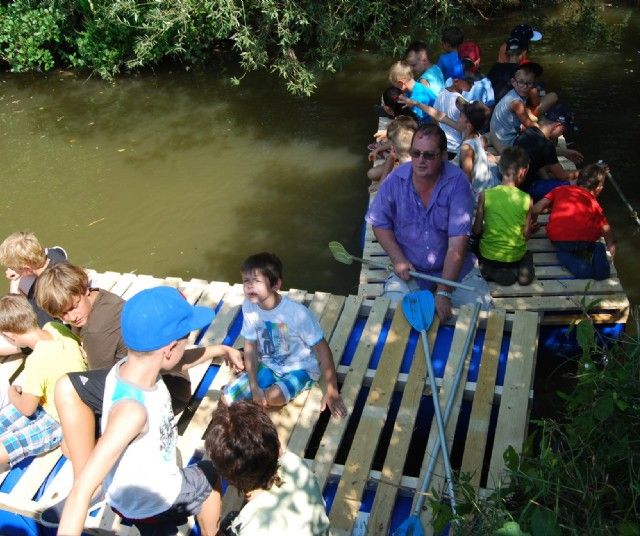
{"points": [[284, 344]]}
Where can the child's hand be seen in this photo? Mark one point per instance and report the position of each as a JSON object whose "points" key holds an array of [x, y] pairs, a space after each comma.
{"points": [[333, 401], [11, 275], [373, 155], [575, 156], [380, 136], [259, 397], [612, 249], [234, 360]]}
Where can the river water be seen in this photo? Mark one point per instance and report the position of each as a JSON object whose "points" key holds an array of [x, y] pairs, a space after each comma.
{"points": [[179, 173]]}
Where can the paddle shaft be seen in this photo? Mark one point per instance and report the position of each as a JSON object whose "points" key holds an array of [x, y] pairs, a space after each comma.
{"points": [[413, 273], [634, 213], [438, 415], [447, 410]]}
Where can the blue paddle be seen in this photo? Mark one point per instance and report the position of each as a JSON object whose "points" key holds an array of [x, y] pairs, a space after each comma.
{"points": [[419, 308]]}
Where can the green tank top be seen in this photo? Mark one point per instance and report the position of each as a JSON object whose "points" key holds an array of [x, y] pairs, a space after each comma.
{"points": [[505, 215]]}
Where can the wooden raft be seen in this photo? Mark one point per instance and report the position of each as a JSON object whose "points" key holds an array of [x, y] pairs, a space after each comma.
{"points": [[304, 433]]}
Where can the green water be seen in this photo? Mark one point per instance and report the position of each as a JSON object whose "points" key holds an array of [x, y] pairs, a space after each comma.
{"points": [[179, 173]]}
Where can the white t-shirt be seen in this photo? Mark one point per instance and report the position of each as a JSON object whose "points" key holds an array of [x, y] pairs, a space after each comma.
{"points": [[296, 508], [284, 336], [446, 102], [146, 480]]}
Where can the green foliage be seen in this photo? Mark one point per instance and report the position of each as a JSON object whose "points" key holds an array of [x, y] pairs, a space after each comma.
{"points": [[582, 18], [584, 476], [28, 34]]}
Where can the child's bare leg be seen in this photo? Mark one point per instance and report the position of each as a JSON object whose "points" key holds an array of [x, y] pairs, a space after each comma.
{"points": [[78, 424], [209, 516], [375, 173], [274, 396]]}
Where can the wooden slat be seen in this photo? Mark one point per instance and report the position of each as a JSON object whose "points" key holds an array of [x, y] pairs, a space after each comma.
{"points": [[104, 280], [347, 500], [123, 283], [552, 287], [387, 489], [476, 441], [463, 326], [561, 303], [351, 387], [513, 414], [141, 282]]}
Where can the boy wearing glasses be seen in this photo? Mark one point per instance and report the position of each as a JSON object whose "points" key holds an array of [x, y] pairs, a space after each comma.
{"points": [[511, 113]]}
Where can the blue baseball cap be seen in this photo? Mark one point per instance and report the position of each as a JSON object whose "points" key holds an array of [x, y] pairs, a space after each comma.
{"points": [[157, 316]]}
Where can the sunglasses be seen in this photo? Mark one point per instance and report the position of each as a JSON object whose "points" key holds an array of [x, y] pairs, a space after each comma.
{"points": [[427, 155]]}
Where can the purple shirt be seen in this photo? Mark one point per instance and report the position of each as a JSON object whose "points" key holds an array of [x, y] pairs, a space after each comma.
{"points": [[423, 233]]}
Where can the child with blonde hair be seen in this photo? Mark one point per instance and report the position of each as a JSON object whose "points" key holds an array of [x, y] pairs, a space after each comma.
{"points": [[401, 76], [29, 424]]}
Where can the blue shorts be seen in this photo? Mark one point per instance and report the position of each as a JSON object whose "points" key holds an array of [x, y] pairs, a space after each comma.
{"points": [[291, 384], [28, 436]]}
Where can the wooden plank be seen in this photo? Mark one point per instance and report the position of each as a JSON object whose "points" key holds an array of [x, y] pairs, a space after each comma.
{"points": [[561, 303], [33, 477], [104, 280], [463, 326], [123, 283], [141, 282], [208, 295], [512, 421], [563, 287], [348, 495], [476, 440], [193, 289], [351, 387], [217, 331], [387, 489]]}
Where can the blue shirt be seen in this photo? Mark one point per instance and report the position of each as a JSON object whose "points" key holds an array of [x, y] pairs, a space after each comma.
{"points": [[423, 232], [434, 76], [451, 65], [482, 91], [423, 95]]}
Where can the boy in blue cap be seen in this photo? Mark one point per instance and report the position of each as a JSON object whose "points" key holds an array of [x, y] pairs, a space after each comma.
{"points": [[135, 458]]}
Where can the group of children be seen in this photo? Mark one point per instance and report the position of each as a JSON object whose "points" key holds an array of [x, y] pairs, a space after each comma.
{"points": [[502, 130], [100, 367]]}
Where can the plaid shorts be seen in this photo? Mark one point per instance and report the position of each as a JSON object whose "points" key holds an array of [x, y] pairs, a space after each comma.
{"points": [[28, 436], [291, 384]]}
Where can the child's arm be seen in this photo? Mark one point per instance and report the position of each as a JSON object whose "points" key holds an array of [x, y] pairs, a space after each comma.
{"points": [[331, 398], [530, 222], [609, 239], [126, 421], [436, 115], [195, 356], [251, 366], [522, 113], [466, 159], [477, 224], [25, 403], [540, 207], [373, 155]]}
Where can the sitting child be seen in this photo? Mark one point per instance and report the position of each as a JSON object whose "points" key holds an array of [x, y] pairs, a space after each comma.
{"points": [[283, 343], [428, 74], [24, 258], [447, 104], [283, 496], [401, 76], [449, 61], [511, 113], [577, 223], [400, 133], [29, 423], [135, 458], [504, 218]]}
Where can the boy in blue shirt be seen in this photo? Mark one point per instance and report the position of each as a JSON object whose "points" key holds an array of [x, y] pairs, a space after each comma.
{"points": [[401, 76], [450, 62]]}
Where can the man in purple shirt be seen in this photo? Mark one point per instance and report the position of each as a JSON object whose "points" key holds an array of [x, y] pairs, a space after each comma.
{"points": [[422, 217]]}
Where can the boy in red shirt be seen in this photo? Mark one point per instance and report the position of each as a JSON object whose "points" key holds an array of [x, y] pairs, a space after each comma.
{"points": [[577, 223]]}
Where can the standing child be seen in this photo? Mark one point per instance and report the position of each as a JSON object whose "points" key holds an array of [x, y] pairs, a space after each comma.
{"points": [[577, 223], [283, 495], [401, 76], [449, 62], [135, 458], [283, 343], [504, 219], [29, 424]]}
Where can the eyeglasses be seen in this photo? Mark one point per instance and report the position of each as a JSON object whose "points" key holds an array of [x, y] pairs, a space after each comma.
{"points": [[522, 83], [427, 155]]}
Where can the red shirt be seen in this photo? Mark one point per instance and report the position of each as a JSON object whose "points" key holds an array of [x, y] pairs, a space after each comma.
{"points": [[576, 215]]}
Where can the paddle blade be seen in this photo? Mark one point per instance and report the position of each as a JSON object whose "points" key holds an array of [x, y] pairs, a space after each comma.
{"points": [[418, 308], [339, 253], [410, 527]]}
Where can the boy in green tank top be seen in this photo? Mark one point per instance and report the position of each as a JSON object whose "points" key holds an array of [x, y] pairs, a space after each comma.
{"points": [[504, 219]]}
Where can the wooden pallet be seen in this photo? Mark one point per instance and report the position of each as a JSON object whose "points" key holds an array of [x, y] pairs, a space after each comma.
{"points": [[298, 423]]}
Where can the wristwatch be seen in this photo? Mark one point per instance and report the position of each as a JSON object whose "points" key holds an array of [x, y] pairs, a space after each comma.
{"points": [[444, 293]]}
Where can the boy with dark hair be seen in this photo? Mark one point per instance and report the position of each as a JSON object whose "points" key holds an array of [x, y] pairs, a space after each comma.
{"points": [[430, 75], [449, 61], [283, 343], [135, 457], [283, 496], [501, 73], [29, 424], [577, 223], [504, 220], [511, 113], [525, 34]]}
